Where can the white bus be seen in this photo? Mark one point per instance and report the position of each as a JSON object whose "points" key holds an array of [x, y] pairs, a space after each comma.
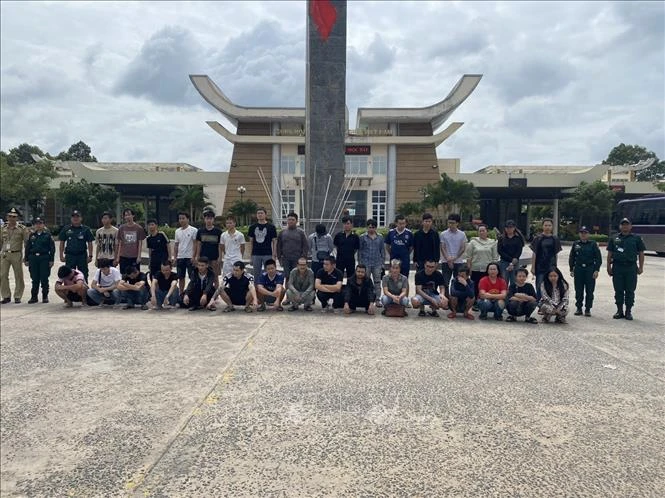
{"points": [[647, 214]]}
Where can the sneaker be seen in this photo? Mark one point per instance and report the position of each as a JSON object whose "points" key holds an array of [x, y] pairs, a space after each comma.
{"points": [[125, 307], [546, 319], [498, 318], [308, 308], [286, 303], [482, 316], [6, 300], [475, 308], [578, 312], [560, 319], [511, 318], [433, 313], [17, 300], [144, 307], [279, 308], [262, 307], [530, 320], [422, 312], [293, 308], [193, 308], [33, 300]]}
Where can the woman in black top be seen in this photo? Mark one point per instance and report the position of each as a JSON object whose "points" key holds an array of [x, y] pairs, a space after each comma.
{"points": [[545, 248], [510, 247]]}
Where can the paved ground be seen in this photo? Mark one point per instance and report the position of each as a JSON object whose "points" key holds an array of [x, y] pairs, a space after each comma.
{"points": [[129, 403]]}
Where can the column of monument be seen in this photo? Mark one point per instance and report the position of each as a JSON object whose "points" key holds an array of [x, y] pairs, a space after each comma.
{"points": [[325, 124]]}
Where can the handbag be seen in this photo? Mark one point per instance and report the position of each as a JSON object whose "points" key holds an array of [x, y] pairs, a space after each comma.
{"points": [[395, 310], [320, 255]]}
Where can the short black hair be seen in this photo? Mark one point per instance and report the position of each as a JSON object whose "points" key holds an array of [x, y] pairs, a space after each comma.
{"points": [[427, 216], [239, 264], [269, 262], [360, 265], [454, 217], [166, 262], [330, 259], [346, 219], [261, 208], [107, 213], [320, 229], [292, 215], [371, 221], [522, 270], [462, 269], [183, 213], [399, 217], [151, 220], [128, 210], [103, 263], [64, 271]]}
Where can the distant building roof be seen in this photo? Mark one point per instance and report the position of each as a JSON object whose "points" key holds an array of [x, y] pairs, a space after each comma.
{"points": [[172, 167], [542, 170]]}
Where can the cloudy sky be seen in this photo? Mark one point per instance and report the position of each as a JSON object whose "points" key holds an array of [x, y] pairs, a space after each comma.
{"points": [[563, 82]]}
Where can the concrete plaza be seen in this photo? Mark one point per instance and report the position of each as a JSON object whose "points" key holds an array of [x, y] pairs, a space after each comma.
{"points": [[104, 402]]}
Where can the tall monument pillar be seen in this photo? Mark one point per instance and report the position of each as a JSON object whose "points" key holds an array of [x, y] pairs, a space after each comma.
{"points": [[325, 110]]}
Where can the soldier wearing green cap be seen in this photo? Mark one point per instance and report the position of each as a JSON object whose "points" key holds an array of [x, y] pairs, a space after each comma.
{"points": [[625, 261], [39, 256], [585, 261], [76, 244], [12, 239]]}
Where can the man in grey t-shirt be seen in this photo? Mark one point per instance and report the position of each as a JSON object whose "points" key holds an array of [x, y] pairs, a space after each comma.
{"points": [[395, 285]]}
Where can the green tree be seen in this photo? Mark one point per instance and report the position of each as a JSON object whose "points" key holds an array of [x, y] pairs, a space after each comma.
{"points": [[80, 151], [191, 199], [589, 200], [451, 195], [89, 198], [23, 154], [22, 183], [631, 154], [243, 210]]}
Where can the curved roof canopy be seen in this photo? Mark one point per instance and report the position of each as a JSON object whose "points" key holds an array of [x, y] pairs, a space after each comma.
{"points": [[234, 113], [436, 114]]}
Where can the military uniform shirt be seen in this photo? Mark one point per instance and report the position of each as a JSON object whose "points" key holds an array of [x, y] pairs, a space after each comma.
{"points": [[625, 248], [585, 255], [40, 244], [76, 239], [13, 238]]}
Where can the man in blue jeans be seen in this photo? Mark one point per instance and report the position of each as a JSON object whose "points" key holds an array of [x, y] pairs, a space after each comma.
{"points": [[164, 290], [104, 289], [134, 289]]}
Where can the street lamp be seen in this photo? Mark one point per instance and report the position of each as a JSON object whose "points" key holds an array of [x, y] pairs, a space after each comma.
{"points": [[241, 190]]}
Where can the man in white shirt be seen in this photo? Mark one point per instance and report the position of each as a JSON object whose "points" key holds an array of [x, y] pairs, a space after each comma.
{"points": [[184, 249], [233, 245], [104, 288], [453, 246]]}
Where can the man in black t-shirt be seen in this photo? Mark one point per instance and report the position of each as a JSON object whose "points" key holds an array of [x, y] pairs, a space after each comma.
{"points": [[347, 244], [159, 249], [328, 285], [164, 289], [430, 289], [237, 290], [262, 242], [134, 288], [208, 240]]}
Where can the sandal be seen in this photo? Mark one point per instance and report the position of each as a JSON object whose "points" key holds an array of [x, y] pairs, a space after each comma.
{"points": [[249, 308], [531, 320], [511, 318], [212, 308], [469, 316], [229, 308], [452, 315], [279, 308]]}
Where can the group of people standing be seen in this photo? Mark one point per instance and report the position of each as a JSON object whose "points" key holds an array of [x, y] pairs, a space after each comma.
{"points": [[346, 271]]}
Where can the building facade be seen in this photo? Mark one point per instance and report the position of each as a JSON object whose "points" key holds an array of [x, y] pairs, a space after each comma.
{"points": [[389, 157]]}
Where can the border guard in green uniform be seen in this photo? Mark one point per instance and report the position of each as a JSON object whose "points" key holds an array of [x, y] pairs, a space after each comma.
{"points": [[625, 261], [73, 241], [585, 262], [12, 239], [39, 256]]}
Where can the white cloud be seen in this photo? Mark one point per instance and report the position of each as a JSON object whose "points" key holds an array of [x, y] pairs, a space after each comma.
{"points": [[563, 81]]}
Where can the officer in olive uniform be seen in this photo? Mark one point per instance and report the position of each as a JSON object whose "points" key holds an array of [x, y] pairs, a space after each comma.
{"points": [[585, 261], [625, 261], [39, 256], [12, 238], [76, 245]]}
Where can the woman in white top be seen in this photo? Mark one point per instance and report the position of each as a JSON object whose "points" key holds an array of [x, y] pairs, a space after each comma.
{"points": [[480, 252]]}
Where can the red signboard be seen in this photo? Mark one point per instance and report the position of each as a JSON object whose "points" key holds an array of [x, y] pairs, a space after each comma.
{"points": [[358, 150]]}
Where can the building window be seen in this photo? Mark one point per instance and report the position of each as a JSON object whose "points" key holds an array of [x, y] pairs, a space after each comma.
{"points": [[355, 165], [288, 165], [288, 202], [379, 207], [379, 165]]}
